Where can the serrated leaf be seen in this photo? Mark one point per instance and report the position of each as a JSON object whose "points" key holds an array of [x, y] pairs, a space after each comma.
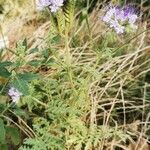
{"points": [[5, 64], [4, 72], [2, 131], [35, 63], [21, 86], [27, 76], [14, 134]]}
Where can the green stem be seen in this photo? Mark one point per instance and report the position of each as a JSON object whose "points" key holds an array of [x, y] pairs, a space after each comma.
{"points": [[39, 102], [68, 61], [68, 56]]}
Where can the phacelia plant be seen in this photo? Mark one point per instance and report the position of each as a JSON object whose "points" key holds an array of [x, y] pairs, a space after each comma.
{"points": [[53, 5], [119, 18], [14, 94]]}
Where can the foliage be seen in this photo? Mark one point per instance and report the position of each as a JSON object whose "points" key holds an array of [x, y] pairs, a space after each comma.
{"points": [[83, 89]]}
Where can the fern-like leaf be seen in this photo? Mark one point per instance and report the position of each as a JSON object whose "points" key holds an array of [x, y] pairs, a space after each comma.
{"points": [[60, 22], [69, 9], [54, 24]]}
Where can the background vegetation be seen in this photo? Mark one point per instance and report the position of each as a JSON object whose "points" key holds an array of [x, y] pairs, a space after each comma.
{"points": [[84, 87]]}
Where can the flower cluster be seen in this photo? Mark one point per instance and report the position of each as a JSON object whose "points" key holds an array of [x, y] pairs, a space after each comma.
{"points": [[53, 5], [119, 17], [14, 94]]}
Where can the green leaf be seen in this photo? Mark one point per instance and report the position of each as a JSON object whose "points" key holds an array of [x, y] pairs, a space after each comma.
{"points": [[54, 24], [14, 134], [3, 146], [2, 108], [35, 63], [24, 43], [21, 85], [4, 72], [21, 113], [33, 50], [46, 53], [5, 64], [2, 89], [69, 9], [56, 39], [60, 22], [2, 131], [28, 76]]}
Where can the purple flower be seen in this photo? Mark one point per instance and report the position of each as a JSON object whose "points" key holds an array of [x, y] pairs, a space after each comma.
{"points": [[41, 4], [119, 29], [14, 94], [53, 5], [132, 18], [119, 17], [109, 14]]}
